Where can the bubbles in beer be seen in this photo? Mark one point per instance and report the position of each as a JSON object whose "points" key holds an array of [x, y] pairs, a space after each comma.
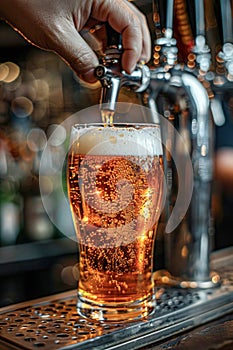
{"points": [[116, 205], [115, 183]]}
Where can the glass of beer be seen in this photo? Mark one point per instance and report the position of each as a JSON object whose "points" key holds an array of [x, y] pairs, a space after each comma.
{"points": [[115, 187]]}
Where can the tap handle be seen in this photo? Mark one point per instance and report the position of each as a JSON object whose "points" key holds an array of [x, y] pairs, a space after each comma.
{"points": [[227, 22], [157, 18], [170, 12], [200, 17], [114, 39], [111, 57], [109, 73]]}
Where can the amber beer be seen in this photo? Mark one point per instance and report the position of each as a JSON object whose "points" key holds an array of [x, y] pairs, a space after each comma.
{"points": [[115, 184]]}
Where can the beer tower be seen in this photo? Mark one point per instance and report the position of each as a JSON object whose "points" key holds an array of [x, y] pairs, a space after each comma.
{"points": [[181, 91], [178, 91]]}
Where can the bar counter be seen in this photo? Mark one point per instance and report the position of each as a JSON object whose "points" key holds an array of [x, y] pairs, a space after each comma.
{"points": [[184, 319]]}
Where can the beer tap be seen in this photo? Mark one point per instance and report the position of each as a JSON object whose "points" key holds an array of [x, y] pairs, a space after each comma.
{"points": [[222, 82], [201, 49], [227, 50], [167, 43], [177, 90], [112, 77], [188, 242]]}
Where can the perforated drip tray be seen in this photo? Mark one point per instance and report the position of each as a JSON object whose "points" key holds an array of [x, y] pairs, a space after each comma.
{"points": [[53, 323]]}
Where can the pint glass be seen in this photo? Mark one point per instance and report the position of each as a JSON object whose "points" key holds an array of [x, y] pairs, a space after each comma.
{"points": [[115, 185]]}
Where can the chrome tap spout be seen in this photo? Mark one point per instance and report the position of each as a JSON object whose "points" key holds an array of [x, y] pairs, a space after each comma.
{"points": [[113, 79]]}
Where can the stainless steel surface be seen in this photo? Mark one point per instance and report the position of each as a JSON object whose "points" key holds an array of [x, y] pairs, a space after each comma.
{"points": [[113, 80], [182, 92], [188, 245], [179, 93], [227, 24], [53, 323]]}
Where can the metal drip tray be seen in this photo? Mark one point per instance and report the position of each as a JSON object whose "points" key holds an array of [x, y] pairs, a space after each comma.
{"points": [[53, 323]]}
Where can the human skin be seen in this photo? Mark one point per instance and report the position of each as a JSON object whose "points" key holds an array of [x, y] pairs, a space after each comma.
{"points": [[55, 25]]}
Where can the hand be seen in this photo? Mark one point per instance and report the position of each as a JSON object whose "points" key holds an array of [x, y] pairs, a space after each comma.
{"points": [[54, 25]]}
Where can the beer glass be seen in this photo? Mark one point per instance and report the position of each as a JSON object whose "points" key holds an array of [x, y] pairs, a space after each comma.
{"points": [[115, 186]]}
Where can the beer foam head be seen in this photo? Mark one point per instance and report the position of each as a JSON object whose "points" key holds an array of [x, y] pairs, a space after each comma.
{"points": [[119, 141]]}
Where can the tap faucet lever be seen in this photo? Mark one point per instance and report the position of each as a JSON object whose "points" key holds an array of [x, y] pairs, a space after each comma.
{"points": [[113, 77]]}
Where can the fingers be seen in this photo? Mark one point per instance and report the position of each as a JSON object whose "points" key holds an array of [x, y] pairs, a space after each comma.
{"points": [[125, 18], [146, 38], [56, 26]]}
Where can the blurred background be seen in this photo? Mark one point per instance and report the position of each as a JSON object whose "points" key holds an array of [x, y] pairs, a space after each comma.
{"points": [[37, 92]]}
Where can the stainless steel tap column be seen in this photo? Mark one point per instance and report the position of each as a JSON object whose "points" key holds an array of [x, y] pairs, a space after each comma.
{"points": [[178, 93]]}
